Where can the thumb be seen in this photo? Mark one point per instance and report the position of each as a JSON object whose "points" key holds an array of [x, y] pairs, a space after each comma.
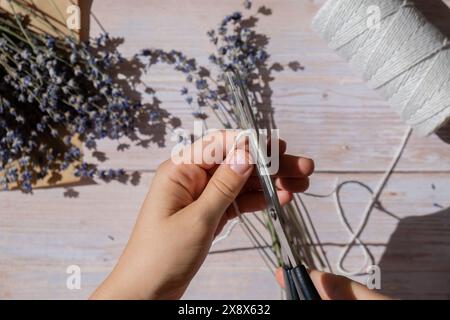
{"points": [[225, 185]]}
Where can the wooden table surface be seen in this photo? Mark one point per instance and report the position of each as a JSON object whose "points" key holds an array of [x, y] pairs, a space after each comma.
{"points": [[324, 112]]}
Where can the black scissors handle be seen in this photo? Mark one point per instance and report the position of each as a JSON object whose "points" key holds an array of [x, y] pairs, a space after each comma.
{"points": [[290, 288], [299, 285]]}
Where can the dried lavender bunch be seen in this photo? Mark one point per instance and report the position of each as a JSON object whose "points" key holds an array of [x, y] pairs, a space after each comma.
{"points": [[54, 89]]}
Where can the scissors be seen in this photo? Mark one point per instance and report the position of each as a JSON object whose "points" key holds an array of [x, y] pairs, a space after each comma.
{"points": [[298, 283]]}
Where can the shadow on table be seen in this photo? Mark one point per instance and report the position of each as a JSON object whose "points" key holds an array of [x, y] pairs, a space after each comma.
{"points": [[438, 13], [85, 6], [416, 263], [444, 133]]}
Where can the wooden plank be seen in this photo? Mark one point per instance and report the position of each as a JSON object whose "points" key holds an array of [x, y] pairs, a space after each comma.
{"points": [[324, 112], [54, 12], [41, 235], [344, 126]]}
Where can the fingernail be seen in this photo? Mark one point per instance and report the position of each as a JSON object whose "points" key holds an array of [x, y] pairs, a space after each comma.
{"points": [[239, 161]]}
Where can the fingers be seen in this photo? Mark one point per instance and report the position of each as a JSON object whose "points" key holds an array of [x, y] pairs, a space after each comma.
{"points": [[293, 166], [210, 150], [333, 287], [293, 185], [255, 201], [224, 186], [282, 147], [279, 277]]}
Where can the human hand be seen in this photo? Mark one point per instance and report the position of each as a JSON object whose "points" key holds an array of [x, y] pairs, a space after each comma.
{"points": [[334, 287], [187, 206]]}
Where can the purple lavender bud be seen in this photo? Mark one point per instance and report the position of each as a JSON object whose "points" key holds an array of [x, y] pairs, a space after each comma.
{"points": [[201, 84], [146, 52]]}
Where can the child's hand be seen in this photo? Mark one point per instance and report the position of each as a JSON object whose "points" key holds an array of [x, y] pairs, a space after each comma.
{"points": [[187, 206], [334, 287]]}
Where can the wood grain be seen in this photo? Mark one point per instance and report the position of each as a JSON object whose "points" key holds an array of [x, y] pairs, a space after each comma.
{"points": [[53, 12], [324, 112], [41, 235]]}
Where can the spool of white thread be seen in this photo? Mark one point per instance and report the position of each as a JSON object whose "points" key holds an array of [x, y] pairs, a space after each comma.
{"points": [[401, 55]]}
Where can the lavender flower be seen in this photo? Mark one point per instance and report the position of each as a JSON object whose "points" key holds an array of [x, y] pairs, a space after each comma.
{"points": [[236, 45]]}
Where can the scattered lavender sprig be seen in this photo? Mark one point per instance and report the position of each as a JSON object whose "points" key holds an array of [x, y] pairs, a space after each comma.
{"points": [[237, 46]]}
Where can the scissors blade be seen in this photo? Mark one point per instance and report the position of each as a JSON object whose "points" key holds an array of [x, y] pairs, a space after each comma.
{"points": [[247, 120]]}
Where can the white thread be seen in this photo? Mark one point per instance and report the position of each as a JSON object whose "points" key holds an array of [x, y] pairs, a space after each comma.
{"points": [[227, 233], [366, 215], [355, 238], [406, 60], [232, 225]]}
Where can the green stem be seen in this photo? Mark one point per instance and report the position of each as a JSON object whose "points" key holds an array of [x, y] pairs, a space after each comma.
{"points": [[275, 242], [6, 30]]}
